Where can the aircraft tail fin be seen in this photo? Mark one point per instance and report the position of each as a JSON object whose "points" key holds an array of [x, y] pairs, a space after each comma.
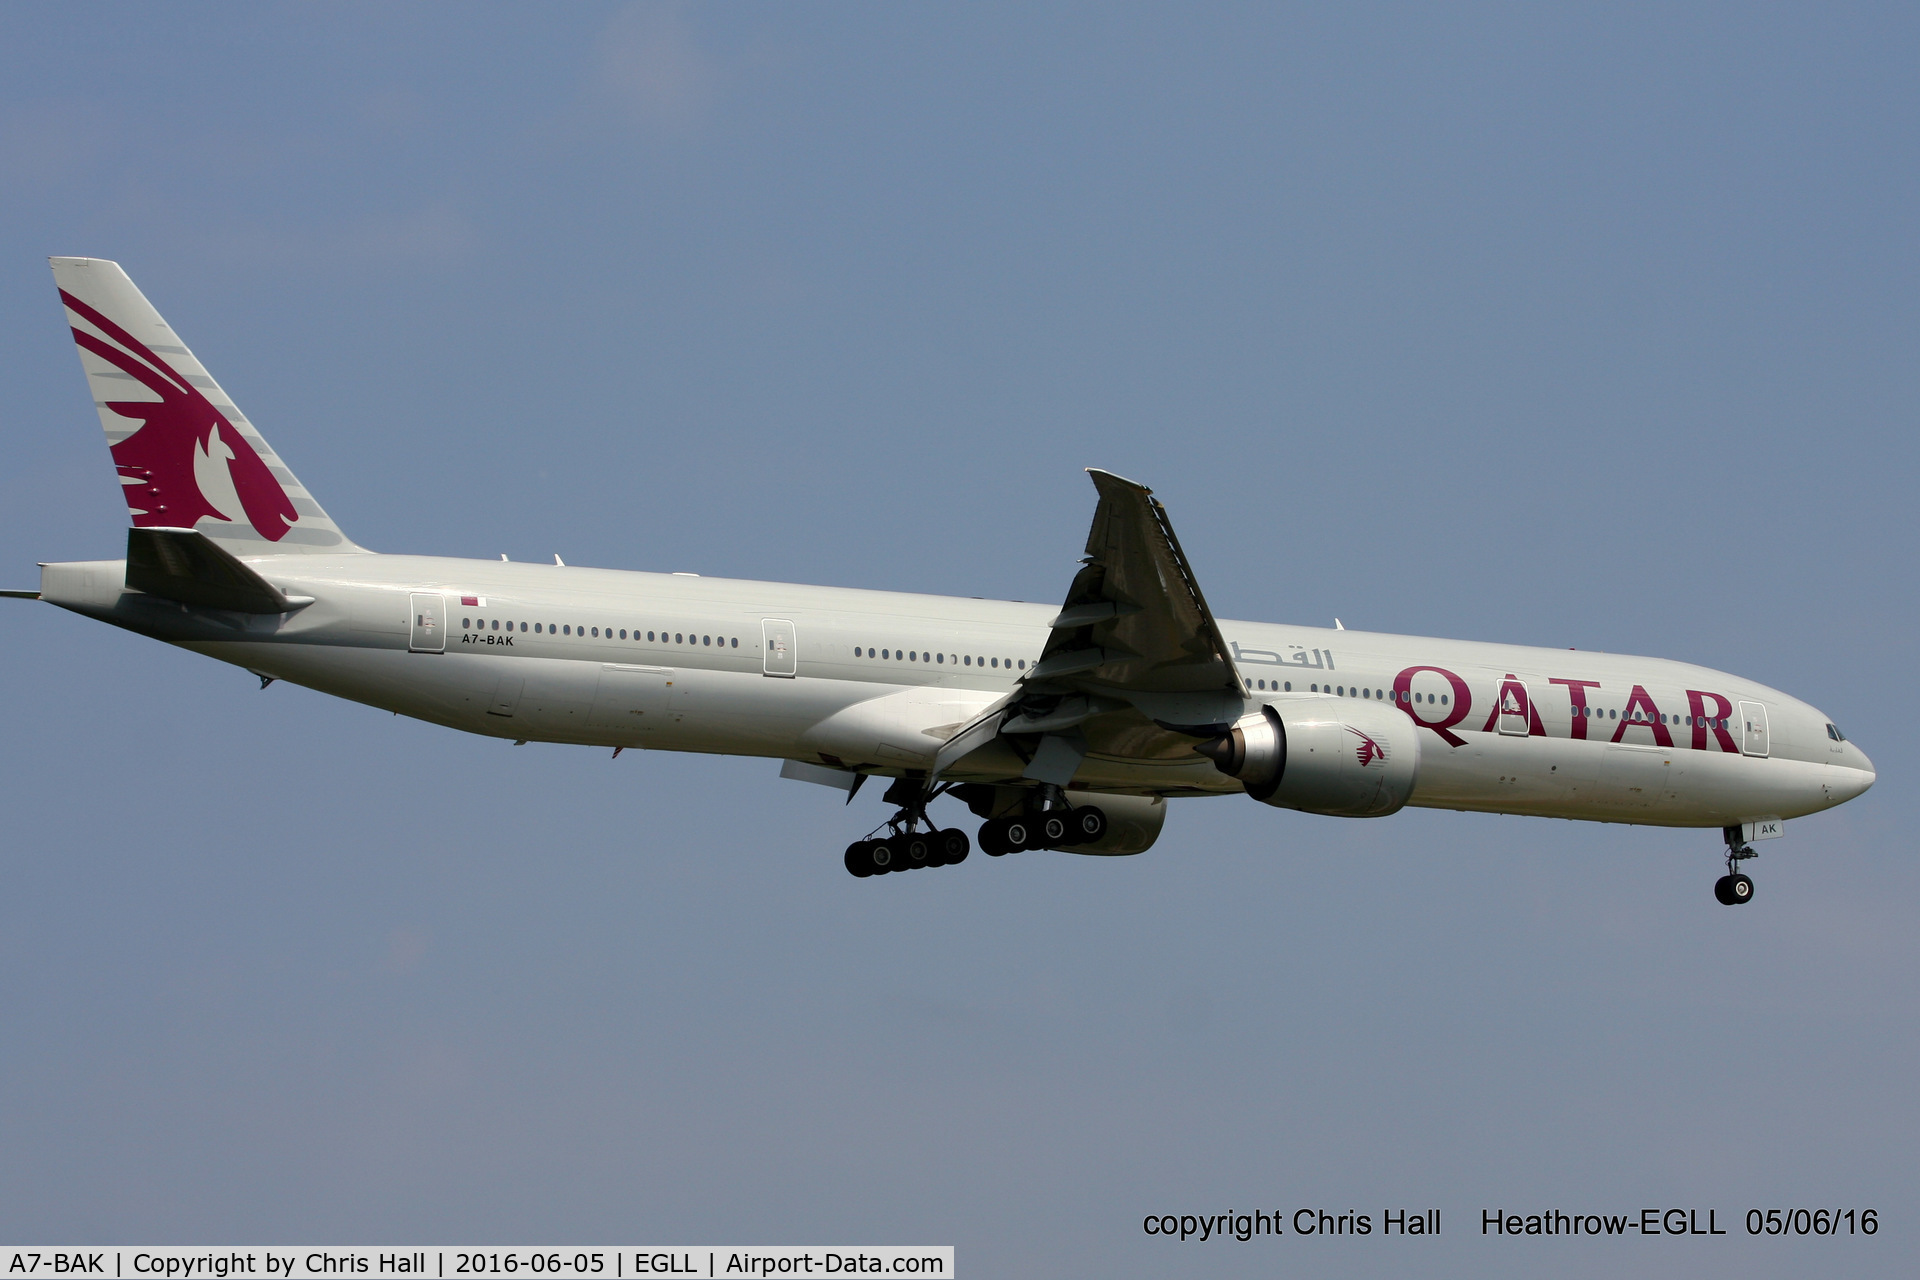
{"points": [[187, 458]]}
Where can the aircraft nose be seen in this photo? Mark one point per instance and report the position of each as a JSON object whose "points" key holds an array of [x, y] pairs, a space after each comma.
{"points": [[1854, 780]]}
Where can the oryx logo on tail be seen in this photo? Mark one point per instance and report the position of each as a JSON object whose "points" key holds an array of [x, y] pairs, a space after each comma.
{"points": [[186, 460]]}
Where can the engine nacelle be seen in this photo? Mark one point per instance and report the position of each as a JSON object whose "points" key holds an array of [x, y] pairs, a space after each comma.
{"points": [[1133, 823], [1322, 755]]}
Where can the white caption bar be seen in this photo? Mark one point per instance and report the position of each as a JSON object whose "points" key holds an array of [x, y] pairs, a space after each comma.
{"points": [[568, 1262]]}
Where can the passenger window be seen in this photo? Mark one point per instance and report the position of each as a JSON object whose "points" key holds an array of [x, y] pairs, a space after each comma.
{"points": [[939, 657], [736, 642], [465, 624], [1023, 664], [568, 629], [1289, 688]]}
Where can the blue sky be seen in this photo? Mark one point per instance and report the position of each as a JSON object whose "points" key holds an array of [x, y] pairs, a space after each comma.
{"points": [[1581, 326]]}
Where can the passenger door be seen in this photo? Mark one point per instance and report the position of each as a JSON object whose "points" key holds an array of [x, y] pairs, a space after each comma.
{"points": [[1753, 735], [429, 630], [780, 656], [1515, 709]]}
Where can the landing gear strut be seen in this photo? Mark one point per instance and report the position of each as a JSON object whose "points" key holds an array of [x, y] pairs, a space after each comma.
{"points": [[1735, 888], [905, 846]]}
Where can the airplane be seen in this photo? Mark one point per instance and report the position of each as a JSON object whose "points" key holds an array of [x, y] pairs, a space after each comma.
{"points": [[1064, 728]]}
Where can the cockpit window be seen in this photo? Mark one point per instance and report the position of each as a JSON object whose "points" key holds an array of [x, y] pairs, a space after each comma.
{"points": [[1833, 731]]}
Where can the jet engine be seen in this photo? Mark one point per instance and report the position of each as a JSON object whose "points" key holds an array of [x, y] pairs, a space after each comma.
{"points": [[1322, 755]]}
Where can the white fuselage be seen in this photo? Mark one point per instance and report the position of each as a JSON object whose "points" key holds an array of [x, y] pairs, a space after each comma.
{"points": [[877, 680]]}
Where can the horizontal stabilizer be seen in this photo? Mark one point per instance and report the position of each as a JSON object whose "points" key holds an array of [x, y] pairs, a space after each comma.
{"points": [[188, 566]]}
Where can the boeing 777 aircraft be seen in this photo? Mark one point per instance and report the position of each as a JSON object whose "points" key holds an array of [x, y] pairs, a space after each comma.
{"points": [[1062, 728]]}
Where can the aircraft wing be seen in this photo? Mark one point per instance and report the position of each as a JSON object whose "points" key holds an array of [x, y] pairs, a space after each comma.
{"points": [[1134, 618], [1135, 668]]}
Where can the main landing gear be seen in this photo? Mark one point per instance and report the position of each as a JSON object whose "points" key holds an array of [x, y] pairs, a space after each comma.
{"points": [[1051, 829], [906, 847], [1051, 824], [908, 851], [1735, 888]]}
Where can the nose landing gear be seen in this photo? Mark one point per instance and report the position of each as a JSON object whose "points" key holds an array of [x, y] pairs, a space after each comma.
{"points": [[1735, 888]]}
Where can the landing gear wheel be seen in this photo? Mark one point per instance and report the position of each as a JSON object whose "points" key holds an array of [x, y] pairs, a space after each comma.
{"points": [[884, 856], [1055, 830], [951, 846], [860, 859], [917, 851], [1739, 889], [1089, 824], [993, 838], [1720, 891], [1020, 833]]}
